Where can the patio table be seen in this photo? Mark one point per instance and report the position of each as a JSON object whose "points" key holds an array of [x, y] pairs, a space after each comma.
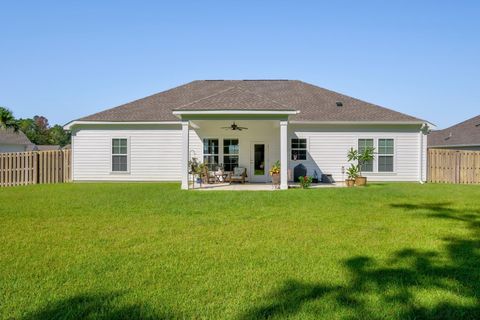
{"points": [[222, 176]]}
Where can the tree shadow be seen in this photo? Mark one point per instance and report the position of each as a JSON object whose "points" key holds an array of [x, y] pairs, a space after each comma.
{"points": [[394, 288], [96, 306]]}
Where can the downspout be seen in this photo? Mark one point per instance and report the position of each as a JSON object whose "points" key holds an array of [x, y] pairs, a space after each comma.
{"points": [[420, 178]]}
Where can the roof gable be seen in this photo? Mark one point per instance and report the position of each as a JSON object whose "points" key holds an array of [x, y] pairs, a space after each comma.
{"points": [[234, 98]]}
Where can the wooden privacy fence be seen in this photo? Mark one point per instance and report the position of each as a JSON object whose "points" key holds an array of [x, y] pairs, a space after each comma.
{"points": [[453, 166], [22, 168]]}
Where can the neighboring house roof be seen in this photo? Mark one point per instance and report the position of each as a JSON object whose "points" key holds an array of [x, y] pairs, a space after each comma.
{"points": [[10, 137], [47, 147], [466, 133], [312, 102]]}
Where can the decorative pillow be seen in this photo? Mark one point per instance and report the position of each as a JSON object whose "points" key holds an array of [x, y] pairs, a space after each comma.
{"points": [[238, 171]]}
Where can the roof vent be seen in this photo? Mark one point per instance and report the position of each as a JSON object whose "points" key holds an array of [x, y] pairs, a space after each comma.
{"points": [[339, 103], [477, 125]]}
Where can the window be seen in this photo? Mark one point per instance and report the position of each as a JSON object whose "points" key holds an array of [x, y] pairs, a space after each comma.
{"points": [[299, 149], [362, 145], [385, 155], [230, 154], [119, 155], [210, 153]]}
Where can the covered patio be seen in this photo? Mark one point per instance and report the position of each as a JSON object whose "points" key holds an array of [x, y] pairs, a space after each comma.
{"points": [[225, 140]]}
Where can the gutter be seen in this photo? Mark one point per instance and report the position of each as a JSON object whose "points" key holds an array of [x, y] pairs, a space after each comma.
{"points": [[73, 123], [359, 122]]}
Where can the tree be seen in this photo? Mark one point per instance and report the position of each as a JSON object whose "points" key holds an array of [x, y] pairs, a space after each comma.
{"points": [[7, 120], [41, 122], [59, 136], [28, 127], [42, 130], [37, 129], [39, 132]]}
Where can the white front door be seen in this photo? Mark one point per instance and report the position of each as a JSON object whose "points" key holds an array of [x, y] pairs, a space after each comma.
{"points": [[258, 162]]}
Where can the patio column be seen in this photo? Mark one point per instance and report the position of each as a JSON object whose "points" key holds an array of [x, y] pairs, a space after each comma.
{"points": [[185, 151], [283, 155]]}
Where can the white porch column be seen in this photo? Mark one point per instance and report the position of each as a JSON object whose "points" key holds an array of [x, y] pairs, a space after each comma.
{"points": [[283, 155], [185, 152]]}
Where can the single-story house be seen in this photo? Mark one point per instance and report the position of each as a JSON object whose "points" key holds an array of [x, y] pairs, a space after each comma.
{"points": [[462, 136], [14, 141], [245, 123]]}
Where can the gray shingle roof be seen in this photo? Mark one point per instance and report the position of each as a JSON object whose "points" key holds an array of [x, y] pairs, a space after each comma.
{"points": [[10, 137], [234, 98], [466, 133], [314, 103], [47, 147]]}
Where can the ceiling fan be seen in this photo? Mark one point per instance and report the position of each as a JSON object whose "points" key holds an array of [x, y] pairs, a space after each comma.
{"points": [[234, 127]]}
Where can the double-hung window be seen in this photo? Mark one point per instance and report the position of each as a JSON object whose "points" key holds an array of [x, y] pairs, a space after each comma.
{"points": [[385, 155], [119, 155], [210, 153], [299, 149], [363, 144], [230, 154]]}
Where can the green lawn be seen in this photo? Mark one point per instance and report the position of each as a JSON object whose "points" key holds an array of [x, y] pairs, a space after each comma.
{"points": [[152, 251]]}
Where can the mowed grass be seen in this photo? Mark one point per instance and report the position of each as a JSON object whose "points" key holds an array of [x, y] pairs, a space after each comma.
{"points": [[152, 251]]}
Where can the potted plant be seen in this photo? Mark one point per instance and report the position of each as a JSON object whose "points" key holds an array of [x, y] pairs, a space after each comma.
{"points": [[361, 158], [196, 170], [352, 174], [275, 173], [305, 181]]}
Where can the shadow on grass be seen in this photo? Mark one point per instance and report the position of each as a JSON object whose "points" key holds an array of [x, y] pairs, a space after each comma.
{"points": [[95, 306], [398, 288]]}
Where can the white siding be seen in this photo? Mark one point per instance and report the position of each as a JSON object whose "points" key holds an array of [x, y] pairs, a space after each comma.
{"points": [[154, 153], [155, 150], [328, 146]]}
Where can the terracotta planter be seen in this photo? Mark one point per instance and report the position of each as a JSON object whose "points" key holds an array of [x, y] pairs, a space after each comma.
{"points": [[361, 181], [349, 183], [276, 178]]}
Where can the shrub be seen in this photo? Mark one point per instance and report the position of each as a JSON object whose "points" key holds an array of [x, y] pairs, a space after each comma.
{"points": [[305, 181]]}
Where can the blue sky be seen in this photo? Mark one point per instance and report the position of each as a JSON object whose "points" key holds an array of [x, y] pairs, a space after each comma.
{"points": [[68, 59]]}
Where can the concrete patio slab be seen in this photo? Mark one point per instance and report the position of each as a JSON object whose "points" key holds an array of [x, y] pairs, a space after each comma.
{"points": [[256, 186]]}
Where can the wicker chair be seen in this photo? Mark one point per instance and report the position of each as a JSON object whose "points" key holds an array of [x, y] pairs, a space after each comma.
{"points": [[239, 175]]}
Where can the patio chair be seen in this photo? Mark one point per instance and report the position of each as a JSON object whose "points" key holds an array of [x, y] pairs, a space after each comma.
{"points": [[208, 176], [239, 175]]}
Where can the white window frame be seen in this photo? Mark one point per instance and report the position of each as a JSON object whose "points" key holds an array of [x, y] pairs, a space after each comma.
{"points": [[220, 146], [229, 154], [374, 166], [376, 154], [127, 155], [307, 141]]}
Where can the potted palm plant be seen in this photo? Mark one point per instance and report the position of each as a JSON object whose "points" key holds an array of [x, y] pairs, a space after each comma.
{"points": [[275, 173], [352, 174], [361, 158]]}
